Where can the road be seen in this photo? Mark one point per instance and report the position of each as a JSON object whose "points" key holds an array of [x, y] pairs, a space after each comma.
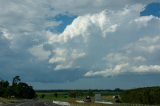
{"points": [[32, 103]]}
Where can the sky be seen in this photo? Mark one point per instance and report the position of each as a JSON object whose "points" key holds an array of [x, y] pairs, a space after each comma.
{"points": [[81, 44]]}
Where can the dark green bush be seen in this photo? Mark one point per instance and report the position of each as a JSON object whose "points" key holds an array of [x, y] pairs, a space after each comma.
{"points": [[148, 95]]}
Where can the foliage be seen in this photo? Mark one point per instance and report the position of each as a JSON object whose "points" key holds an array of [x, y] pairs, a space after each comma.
{"points": [[17, 89], [3, 87], [56, 94], [90, 93], [73, 94], [16, 79], [43, 95], [148, 95]]}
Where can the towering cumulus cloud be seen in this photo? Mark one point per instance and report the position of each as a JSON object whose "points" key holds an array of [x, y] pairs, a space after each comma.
{"points": [[109, 43]]}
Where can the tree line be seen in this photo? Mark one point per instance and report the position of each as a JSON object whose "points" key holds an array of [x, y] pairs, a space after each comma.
{"points": [[147, 95], [17, 89]]}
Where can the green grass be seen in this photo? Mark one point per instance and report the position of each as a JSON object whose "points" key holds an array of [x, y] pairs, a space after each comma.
{"points": [[63, 96], [51, 96]]}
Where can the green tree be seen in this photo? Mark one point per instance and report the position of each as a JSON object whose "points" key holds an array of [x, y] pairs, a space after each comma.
{"points": [[56, 94], [17, 89], [148, 95], [43, 95], [73, 94], [90, 92], [25, 91], [3, 86], [16, 80]]}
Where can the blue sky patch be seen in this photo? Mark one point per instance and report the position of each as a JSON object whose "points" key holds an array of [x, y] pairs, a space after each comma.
{"points": [[64, 21], [151, 9]]}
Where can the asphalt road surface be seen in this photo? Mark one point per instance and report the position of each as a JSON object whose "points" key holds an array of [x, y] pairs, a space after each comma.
{"points": [[32, 103]]}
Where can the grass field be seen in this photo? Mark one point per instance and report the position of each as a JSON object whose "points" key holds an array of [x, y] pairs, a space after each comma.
{"points": [[65, 96], [51, 96]]}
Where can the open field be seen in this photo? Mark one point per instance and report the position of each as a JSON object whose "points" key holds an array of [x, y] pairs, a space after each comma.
{"points": [[133, 97], [68, 95], [72, 96], [51, 96]]}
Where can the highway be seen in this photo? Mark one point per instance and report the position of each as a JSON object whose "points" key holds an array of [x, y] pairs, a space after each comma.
{"points": [[32, 103]]}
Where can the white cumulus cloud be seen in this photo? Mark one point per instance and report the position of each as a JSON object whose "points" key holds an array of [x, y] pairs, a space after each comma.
{"points": [[108, 43]]}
